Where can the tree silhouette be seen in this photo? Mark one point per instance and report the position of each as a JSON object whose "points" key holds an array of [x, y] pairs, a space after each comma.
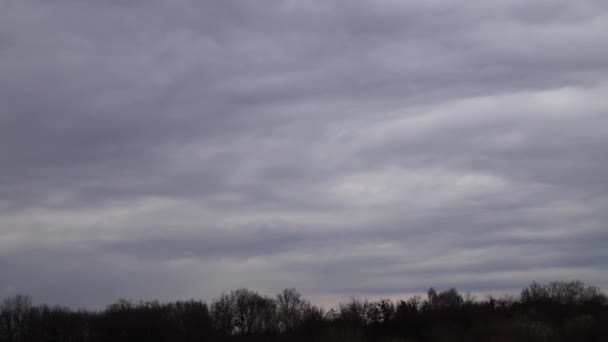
{"points": [[14, 313], [291, 309], [557, 311]]}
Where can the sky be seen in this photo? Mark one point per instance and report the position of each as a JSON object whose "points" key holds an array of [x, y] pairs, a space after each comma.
{"points": [[180, 149]]}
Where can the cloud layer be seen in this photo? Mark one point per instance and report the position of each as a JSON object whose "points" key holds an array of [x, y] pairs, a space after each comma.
{"points": [[180, 149]]}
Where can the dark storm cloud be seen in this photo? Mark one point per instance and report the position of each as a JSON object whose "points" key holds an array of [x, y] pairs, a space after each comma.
{"points": [[341, 147]]}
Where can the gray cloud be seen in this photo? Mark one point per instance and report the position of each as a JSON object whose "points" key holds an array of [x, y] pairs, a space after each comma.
{"points": [[150, 149]]}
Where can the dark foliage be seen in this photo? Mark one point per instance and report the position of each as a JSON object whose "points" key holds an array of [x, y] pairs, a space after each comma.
{"points": [[558, 311]]}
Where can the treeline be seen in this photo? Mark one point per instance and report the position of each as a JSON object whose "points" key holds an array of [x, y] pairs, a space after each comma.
{"points": [[558, 311]]}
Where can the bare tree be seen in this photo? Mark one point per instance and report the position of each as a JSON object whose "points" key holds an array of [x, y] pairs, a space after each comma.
{"points": [[13, 313], [222, 314], [572, 292], [356, 312], [290, 309], [446, 299], [244, 312]]}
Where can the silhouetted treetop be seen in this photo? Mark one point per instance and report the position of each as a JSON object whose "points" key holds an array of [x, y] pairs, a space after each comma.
{"points": [[557, 311]]}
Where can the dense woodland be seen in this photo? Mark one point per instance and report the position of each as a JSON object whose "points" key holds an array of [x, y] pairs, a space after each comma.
{"points": [[558, 311]]}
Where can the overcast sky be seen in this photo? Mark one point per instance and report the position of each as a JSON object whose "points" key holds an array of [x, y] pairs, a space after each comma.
{"points": [[178, 149]]}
